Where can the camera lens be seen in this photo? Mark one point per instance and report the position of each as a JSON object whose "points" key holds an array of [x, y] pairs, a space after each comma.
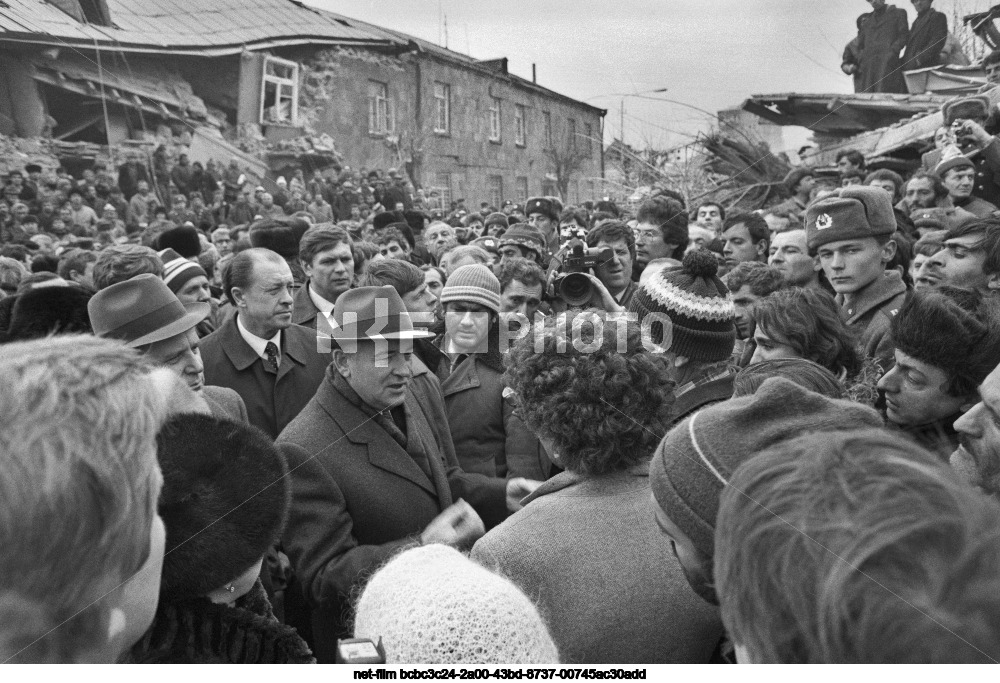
{"points": [[575, 289]]}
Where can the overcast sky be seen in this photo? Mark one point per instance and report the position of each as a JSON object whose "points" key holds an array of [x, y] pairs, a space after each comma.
{"points": [[710, 54]]}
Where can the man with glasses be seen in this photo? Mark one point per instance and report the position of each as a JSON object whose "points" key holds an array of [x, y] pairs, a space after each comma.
{"points": [[970, 258]]}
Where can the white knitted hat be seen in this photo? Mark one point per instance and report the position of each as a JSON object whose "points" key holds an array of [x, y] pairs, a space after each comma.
{"points": [[433, 605]]}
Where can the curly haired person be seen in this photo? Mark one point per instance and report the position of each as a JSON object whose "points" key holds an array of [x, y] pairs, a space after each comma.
{"points": [[585, 545]]}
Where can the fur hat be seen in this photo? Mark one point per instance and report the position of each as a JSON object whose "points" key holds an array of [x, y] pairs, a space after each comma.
{"points": [[696, 459], [433, 605], [387, 218], [703, 318], [224, 502], [276, 236], [474, 283], [795, 176], [184, 240], [853, 212], [977, 106], [939, 218], [951, 328], [547, 206], [497, 218], [42, 311]]}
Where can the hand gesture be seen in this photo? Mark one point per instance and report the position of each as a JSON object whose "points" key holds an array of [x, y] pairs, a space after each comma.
{"points": [[458, 526]]}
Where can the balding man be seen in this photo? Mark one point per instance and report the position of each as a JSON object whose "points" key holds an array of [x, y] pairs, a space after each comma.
{"points": [[273, 365]]}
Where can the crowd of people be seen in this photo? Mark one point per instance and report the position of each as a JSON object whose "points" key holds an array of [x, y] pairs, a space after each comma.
{"points": [[538, 434]]}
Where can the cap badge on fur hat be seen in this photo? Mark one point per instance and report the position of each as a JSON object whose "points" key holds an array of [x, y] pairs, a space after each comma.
{"points": [[824, 221]]}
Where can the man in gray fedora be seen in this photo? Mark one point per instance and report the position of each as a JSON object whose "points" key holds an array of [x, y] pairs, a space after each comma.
{"points": [[373, 465], [146, 315]]}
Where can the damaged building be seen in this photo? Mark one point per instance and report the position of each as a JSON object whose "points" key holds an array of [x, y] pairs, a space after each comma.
{"points": [[279, 85]]}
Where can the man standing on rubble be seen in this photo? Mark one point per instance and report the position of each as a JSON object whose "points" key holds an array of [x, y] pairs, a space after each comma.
{"points": [[927, 37], [881, 37]]}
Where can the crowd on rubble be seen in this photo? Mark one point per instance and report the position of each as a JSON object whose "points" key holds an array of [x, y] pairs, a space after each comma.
{"points": [[334, 423]]}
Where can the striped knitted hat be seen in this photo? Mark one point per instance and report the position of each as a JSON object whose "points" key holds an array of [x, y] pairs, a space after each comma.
{"points": [[702, 316], [177, 270], [474, 283]]}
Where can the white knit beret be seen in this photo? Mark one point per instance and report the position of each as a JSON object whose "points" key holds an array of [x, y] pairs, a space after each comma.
{"points": [[433, 605]]}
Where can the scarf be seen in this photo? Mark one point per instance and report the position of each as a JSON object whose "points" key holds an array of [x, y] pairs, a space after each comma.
{"points": [[426, 458]]}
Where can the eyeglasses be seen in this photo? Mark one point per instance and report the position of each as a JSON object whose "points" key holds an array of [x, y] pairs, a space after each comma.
{"points": [[646, 234]]}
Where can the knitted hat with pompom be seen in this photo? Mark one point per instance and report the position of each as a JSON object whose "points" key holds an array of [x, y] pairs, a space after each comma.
{"points": [[703, 318]]}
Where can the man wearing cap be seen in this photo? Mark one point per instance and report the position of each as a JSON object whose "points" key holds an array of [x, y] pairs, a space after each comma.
{"points": [[958, 174], [274, 365], [695, 460], [699, 332], [966, 118], [543, 215], [522, 241], [800, 183], [488, 438], [143, 313], [851, 232], [373, 468]]}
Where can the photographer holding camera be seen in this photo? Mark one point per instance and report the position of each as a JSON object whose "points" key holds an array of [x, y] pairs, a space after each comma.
{"points": [[967, 118], [592, 270]]}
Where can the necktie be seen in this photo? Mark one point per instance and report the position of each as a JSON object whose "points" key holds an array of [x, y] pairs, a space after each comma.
{"points": [[271, 351]]}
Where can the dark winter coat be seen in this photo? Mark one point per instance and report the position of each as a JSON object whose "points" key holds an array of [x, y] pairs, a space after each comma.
{"points": [[882, 36], [199, 631], [489, 438], [359, 496], [926, 42], [272, 400]]}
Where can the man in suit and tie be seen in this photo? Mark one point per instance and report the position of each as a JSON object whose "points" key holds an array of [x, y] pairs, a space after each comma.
{"points": [[272, 364], [146, 315], [373, 466], [927, 37], [328, 260]]}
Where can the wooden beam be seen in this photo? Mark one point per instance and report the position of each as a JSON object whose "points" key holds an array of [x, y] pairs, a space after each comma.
{"points": [[85, 123]]}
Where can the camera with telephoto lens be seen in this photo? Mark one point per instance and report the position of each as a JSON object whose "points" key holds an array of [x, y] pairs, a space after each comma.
{"points": [[567, 271]]}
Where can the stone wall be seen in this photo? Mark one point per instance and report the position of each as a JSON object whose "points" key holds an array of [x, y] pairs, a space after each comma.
{"points": [[334, 93]]}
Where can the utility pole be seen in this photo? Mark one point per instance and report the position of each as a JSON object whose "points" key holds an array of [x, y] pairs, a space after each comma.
{"points": [[621, 125]]}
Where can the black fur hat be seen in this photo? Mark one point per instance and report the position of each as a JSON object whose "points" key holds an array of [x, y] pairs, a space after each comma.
{"points": [[277, 236], [224, 502], [42, 311], [386, 218], [951, 328], [183, 240]]}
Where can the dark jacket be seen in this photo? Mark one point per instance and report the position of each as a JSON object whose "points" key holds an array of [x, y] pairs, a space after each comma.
{"points": [[272, 401], [358, 496], [940, 437], [871, 312], [225, 403], [882, 36], [199, 631], [489, 439], [304, 311], [926, 42]]}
